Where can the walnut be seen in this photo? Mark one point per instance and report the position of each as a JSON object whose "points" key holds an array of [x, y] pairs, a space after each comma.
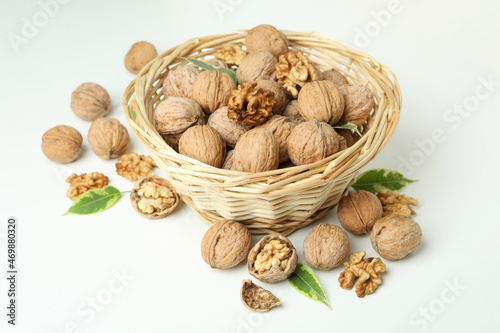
{"points": [[218, 63], [139, 55], [231, 55], [280, 98], [293, 71], [256, 151], [108, 138], [326, 246], [229, 161], [335, 76], [62, 144], [359, 103], [358, 211], [257, 66], [90, 101], [395, 236], [349, 136], [257, 298], [312, 141], [268, 38], [292, 111], [272, 259], [230, 130], [179, 81], [172, 140], [281, 127], [204, 144], [342, 142], [226, 244], [212, 90], [395, 203], [368, 271], [250, 105], [154, 197], [79, 184], [321, 101], [176, 114], [133, 167]]}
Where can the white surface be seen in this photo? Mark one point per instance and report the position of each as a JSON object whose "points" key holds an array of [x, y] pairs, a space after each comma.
{"points": [[439, 50]]}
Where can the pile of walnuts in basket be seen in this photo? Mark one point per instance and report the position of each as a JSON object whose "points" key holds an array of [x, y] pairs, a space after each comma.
{"points": [[281, 113]]}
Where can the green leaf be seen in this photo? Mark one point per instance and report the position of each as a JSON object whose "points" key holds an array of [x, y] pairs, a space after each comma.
{"points": [[94, 201], [134, 115], [305, 282], [209, 67], [349, 126], [377, 180]]}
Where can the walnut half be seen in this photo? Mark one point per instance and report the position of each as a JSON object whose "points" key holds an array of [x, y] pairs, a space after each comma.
{"points": [[154, 197], [257, 298]]}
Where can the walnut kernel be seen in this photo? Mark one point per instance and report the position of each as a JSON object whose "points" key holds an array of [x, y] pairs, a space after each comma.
{"points": [[90, 101], [231, 55], [139, 55], [257, 298], [395, 203], [293, 71], [133, 167], [368, 271], [79, 184], [62, 144], [250, 105], [154, 197]]}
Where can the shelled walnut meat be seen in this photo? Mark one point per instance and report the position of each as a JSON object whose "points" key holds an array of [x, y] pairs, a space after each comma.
{"points": [[179, 81], [108, 138], [226, 244], [230, 130], [368, 271], [249, 105], [204, 144], [256, 151], [265, 37], [231, 55], [359, 103], [281, 127], [90, 101], [358, 211], [293, 71], [321, 101], [176, 114], [272, 259], [133, 166], [62, 144], [257, 66], [326, 246], [212, 90], [79, 184], [311, 142], [395, 203], [257, 298], [154, 197]]}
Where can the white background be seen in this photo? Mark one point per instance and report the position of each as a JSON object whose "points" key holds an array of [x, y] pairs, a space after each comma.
{"points": [[441, 52]]}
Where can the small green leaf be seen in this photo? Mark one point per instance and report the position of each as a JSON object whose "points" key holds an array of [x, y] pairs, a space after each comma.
{"points": [[305, 282], [134, 115], [94, 201], [209, 67], [349, 126], [377, 180]]}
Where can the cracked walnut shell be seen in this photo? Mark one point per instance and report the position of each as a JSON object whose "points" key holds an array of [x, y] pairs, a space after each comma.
{"points": [[311, 142], [358, 211], [359, 103], [250, 105], [203, 143], [230, 130], [79, 184], [268, 38], [257, 298], [395, 203], [154, 197], [179, 81], [256, 151], [139, 55], [90, 101], [293, 71], [321, 101], [326, 246], [281, 127], [212, 90], [226, 244], [257, 66], [108, 138], [369, 274], [272, 259], [62, 144], [133, 167], [231, 55], [395, 236], [176, 114]]}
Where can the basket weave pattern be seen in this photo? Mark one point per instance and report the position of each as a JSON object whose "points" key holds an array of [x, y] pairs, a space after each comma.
{"points": [[274, 201]]}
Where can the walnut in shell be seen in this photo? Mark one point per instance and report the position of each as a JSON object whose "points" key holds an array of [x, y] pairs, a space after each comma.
{"points": [[257, 298], [79, 184], [335, 76], [139, 55], [256, 151], [358, 211], [204, 144], [257, 66], [265, 37], [229, 161], [172, 140], [108, 138], [395, 236], [281, 127], [90, 101], [312, 141], [212, 90], [292, 111], [176, 114], [293, 71], [272, 259], [249, 105], [226, 244], [359, 103], [321, 101], [179, 81], [62, 144], [326, 246], [280, 99], [154, 197], [218, 63], [230, 130]]}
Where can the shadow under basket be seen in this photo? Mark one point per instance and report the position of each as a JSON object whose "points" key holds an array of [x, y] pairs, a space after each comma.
{"points": [[281, 200]]}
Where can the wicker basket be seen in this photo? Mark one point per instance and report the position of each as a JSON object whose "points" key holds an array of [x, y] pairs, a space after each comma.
{"points": [[281, 200]]}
